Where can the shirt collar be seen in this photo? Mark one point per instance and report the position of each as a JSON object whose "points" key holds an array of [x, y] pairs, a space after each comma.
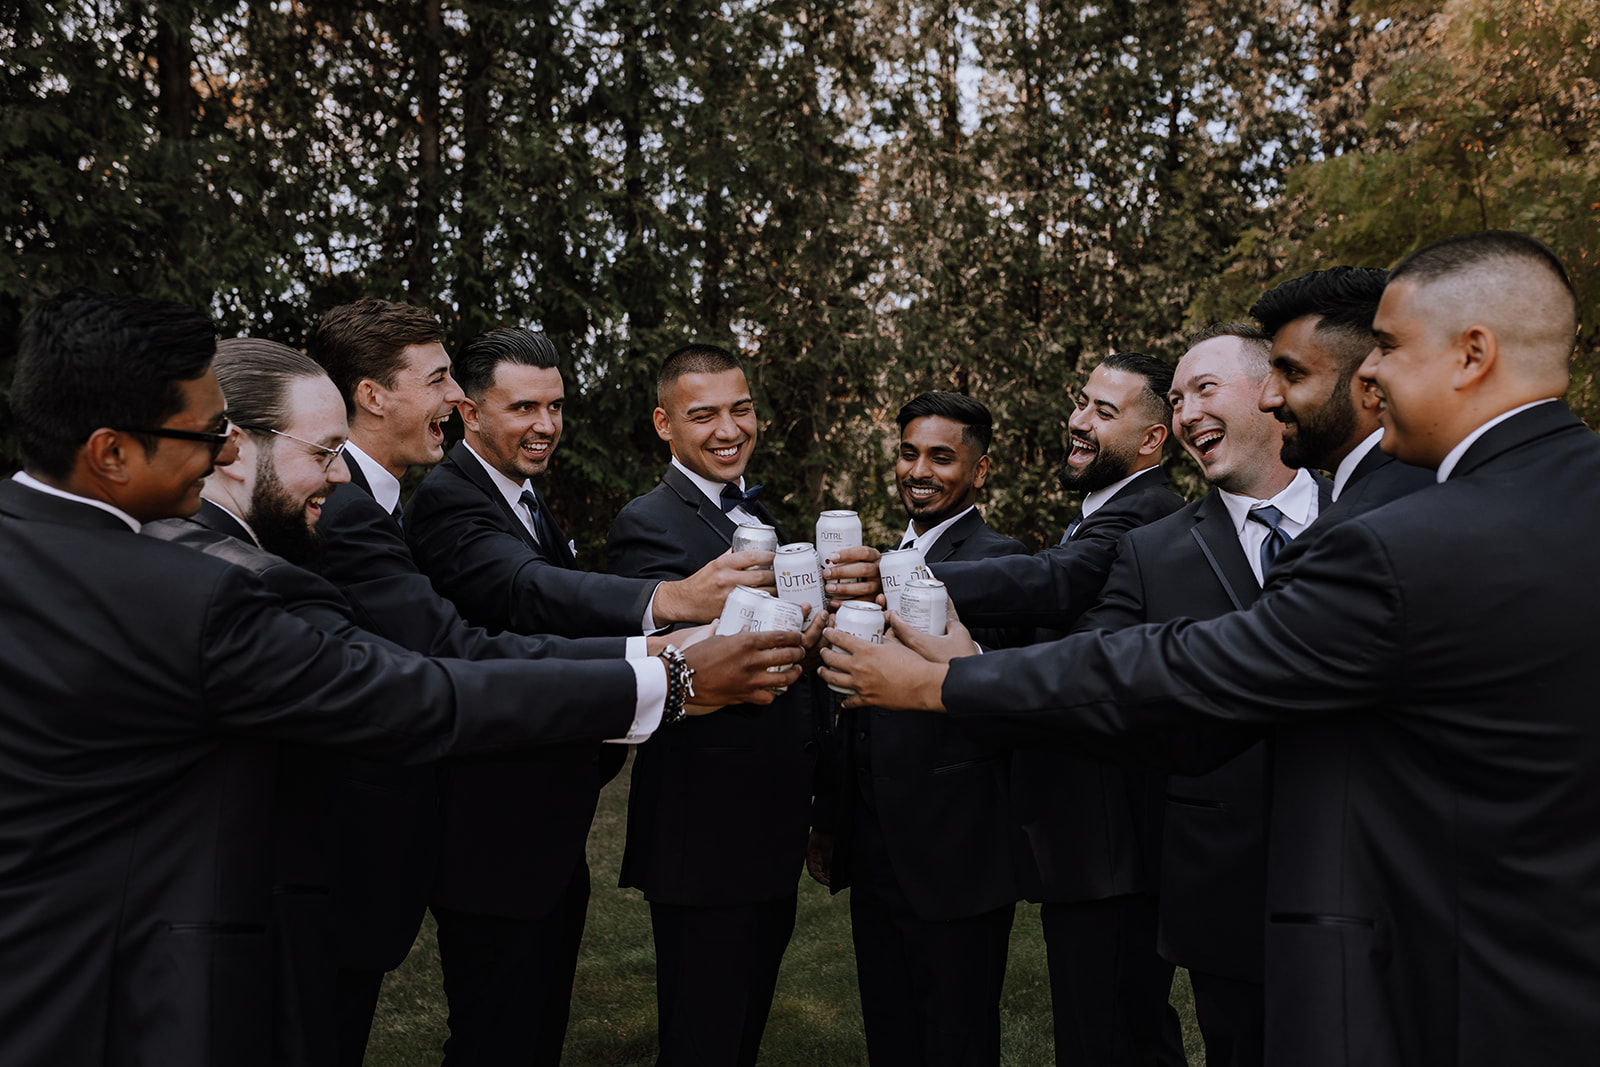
{"points": [[1454, 455], [1096, 499], [925, 541], [1348, 465], [712, 489], [385, 486], [1297, 500], [238, 518], [509, 489], [24, 478]]}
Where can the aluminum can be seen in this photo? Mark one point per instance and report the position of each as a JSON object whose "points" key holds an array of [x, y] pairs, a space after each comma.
{"points": [[898, 567], [798, 575], [837, 530], [924, 605], [758, 536], [742, 610], [863, 620]]}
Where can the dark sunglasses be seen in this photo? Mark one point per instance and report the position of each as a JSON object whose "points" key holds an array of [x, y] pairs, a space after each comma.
{"points": [[217, 440]]}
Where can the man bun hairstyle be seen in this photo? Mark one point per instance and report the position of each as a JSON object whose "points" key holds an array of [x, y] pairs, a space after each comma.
{"points": [[354, 342], [1345, 299], [1157, 375], [255, 375], [87, 359], [475, 367], [977, 424], [696, 358]]}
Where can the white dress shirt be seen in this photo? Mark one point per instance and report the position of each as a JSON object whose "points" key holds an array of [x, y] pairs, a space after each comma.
{"points": [[1096, 499], [713, 492], [1298, 504], [1348, 465], [385, 486]]}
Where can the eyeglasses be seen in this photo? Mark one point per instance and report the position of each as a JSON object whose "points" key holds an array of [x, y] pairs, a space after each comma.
{"points": [[217, 439], [329, 455]]}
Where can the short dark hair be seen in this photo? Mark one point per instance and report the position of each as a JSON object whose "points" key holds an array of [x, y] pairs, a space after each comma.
{"points": [[1465, 251], [87, 359], [1258, 345], [364, 340], [1157, 375], [255, 376], [694, 358], [1345, 299], [475, 367], [977, 425]]}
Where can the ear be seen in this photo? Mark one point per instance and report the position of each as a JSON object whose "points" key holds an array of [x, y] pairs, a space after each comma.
{"points": [[1155, 435], [980, 472], [105, 456], [468, 412], [663, 426], [244, 460], [1477, 353], [370, 397]]}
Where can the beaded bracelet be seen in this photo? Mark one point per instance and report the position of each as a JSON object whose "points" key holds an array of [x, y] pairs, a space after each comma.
{"points": [[680, 684]]}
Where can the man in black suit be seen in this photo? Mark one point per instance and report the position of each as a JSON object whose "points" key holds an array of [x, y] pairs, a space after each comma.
{"points": [[513, 883], [392, 369], [1203, 561], [1432, 893], [141, 710], [1321, 329], [917, 826], [717, 819]]}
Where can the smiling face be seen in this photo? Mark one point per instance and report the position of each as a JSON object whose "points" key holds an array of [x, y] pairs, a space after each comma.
{"points": [[939, 473], [516, 423], [710, 422], [1308, 390], [1217, 416], [413, 411], [292, 478], [1411, 370], [1107, 428], [167, 482]]}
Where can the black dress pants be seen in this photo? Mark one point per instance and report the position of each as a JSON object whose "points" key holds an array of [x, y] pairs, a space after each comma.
{"points": [[1108, 988], [716, 970], [509, 981], [1233, 1019]]}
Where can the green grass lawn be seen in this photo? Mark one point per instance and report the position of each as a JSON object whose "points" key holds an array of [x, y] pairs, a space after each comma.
{"points": [[816, 1018]]}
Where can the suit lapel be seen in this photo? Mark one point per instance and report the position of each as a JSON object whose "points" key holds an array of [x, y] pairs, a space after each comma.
{"points": [[557, 551], [709, 513], [1219, 541], [468, 467], [952, 539], [1518, 430], [220, 520]]}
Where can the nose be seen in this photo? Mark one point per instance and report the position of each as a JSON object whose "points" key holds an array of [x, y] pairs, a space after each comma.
{"points": [[452, 392], [339, 472], [727, 427], [1271, 392], [920, 468], [543, 422], [1080, 420]]}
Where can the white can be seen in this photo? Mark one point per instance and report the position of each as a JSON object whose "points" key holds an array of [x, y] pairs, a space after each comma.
{"points": [[863, 620], [798, 575], [742, 610], [755, 536], [898, 567], [924, 605], [837, 530]]}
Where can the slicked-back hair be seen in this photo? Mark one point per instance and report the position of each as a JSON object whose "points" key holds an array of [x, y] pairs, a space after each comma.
{"points": [[87, 359], [693, 359], [367, 339], [475, 367], [1345, 299], [1157, 375], [255, 376], [977, 425], [1257, 345], [1468, 251]]}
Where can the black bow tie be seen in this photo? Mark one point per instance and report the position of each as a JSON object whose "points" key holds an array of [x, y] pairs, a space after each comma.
{"points": [[732, 498]]}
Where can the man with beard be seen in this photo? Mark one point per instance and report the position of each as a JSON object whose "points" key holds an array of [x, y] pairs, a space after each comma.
{"points": [[1321, 328], [918, 827]]}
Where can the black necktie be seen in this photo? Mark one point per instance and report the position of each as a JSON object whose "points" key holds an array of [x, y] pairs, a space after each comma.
{"points": [[1072, 528], [732, 498], [1270, 517], [395, 515], [541, 533]]}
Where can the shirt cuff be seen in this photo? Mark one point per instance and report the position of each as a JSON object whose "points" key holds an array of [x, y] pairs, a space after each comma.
{"points": [[650, 685], [647, 625], [638, 648]]}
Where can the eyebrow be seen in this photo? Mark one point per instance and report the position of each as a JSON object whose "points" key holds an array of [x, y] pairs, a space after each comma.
{"points": [[1101, 403], [713, 407]]}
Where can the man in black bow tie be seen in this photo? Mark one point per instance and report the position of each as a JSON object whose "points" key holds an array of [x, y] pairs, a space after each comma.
{"points": [[717, 819]]}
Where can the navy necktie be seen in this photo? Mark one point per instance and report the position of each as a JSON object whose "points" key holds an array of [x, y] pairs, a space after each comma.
{"points": [[395, 515], [732, 498], [541, 533], [1270, 517], [1072, 528]]}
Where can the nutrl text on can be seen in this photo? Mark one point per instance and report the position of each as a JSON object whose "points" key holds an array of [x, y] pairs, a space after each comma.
{"points": [[837, 530], [898, 567], [798, 575], [742, 610]]}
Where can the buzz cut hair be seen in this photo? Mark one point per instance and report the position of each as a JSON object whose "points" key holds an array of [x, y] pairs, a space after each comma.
{"points": [[696, 358], [1257, 345], [1468, 252]]}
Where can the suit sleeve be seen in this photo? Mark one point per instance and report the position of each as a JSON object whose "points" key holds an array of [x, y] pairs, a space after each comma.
{"points": [[1328, 640], [641, 546], [267, 673], [494, 577], [1122, 598]]}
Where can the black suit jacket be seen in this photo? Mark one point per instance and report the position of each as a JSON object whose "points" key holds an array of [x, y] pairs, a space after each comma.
{"points": [[1433, 884], [940, 797], [144, 690], [470, 543], [1053, 587], [513, 830], [1211, 833], [719, 805], [389, 815]]}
